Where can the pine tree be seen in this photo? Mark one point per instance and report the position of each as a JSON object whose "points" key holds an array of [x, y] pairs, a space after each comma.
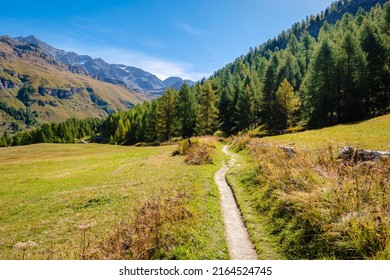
{"points": [[307, 42], [269, 89], [207, 111], [165, 115], [243, 109], [151, 119], [377, 82], [3, 142], [352, 63], [319, 85], [48, 134], [185, 109], [226, 110], [289, 69]]}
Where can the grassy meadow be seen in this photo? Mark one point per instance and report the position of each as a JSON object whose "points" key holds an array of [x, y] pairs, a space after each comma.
{"points": [[312, 205], [100, 201], [372, 134]]}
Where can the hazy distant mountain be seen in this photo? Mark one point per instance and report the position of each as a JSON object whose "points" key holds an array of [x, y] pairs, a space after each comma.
{"points": [[176, 82], [119, 74]]}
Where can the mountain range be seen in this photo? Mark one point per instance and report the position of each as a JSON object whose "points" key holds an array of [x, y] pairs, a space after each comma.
{"points": [[39, 83], [131, 77]]}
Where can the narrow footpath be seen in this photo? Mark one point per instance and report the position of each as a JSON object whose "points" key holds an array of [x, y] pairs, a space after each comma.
{"points": [[239, 245]]}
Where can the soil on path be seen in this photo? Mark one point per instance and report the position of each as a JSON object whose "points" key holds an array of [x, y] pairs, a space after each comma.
{"points": [[239, 244]]}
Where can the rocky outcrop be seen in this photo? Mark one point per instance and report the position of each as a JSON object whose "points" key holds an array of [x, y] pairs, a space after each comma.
{"points": [[5, 84], [60, 93], [355, 155]]}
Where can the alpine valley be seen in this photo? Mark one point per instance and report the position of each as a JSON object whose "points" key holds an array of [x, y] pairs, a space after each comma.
{"points": [[42, 84]]}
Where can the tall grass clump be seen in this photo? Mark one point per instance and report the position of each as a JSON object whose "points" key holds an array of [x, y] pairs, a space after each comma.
{"points": [[196, 152], [240, 142], [148, 233], [318, 206]]}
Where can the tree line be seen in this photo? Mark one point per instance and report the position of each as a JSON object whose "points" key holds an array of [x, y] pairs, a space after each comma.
{"points": [[63, 132]]}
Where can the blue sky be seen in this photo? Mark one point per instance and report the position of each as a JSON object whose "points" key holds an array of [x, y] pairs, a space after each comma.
{"points": [[188, 38]]}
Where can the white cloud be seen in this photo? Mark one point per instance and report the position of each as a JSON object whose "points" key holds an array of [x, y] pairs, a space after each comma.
{"points": [[189, 29]]}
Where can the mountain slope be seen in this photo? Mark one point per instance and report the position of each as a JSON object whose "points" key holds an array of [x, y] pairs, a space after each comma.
{"points": [[36, 88], [133, 78]]}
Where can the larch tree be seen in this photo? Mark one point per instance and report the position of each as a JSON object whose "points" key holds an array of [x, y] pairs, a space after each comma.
{"points": [[207, 111], [165, 115], [185, 108], [287, 104], [319, 85]]}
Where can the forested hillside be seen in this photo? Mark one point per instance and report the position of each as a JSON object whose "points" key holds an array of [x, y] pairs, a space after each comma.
{"points": [[340, 76]]}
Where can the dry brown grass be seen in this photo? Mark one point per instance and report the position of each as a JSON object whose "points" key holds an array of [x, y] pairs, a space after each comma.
{"points": [[319, 206], [146, 234], [197, 151]]}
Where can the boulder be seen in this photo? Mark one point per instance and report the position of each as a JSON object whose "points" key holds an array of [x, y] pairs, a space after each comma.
{"points": [[288, 150]]}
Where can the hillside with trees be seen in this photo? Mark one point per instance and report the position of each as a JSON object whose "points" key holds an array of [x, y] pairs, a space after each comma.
{"points": [[340, 76]]}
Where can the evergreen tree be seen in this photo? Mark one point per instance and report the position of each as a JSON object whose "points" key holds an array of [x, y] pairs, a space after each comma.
{"points": [[225, 111], [319, 85], [185, 109], [243, 109], [352, 63], [151, 119], [269, 89], [207, 111], [307, 42], [289, 69], [3, 142], [165, 126], [377, 82]]}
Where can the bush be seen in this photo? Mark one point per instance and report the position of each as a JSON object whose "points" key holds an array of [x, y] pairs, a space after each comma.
{"points": [[199, 154], [148, 233], [185, 145], [196, 152], [240, 142], [219, 133]]}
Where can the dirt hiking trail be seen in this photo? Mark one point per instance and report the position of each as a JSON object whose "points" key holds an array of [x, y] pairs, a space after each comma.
{"points": [[239, 245]]}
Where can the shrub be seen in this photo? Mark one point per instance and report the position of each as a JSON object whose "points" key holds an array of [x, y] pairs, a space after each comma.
{"points": [[219, 133], [195, 151], [239, 143], [149, 232], [185, 145], [199, 154]]}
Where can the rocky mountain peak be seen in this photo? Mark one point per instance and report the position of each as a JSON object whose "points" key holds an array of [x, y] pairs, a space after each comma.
{"points": [[129, 76]]}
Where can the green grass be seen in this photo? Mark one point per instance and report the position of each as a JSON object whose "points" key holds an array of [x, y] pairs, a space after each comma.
{"points": [[313, 205], [372, 134], [239, 176], [48, 190]]}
